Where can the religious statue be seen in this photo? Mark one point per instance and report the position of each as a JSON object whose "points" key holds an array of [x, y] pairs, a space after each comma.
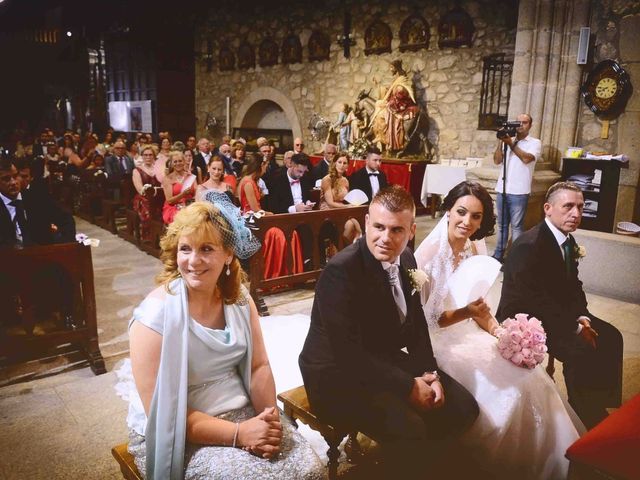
{"points": [[397, 124]]}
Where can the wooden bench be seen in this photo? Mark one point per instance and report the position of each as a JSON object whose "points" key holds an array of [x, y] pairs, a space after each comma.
{"points": [[48, 301], [113, 207], [125, 460], [296, 407], [313, 221]]}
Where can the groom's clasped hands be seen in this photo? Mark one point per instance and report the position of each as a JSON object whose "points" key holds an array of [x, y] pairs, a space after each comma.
{"points": [[427, 392]]}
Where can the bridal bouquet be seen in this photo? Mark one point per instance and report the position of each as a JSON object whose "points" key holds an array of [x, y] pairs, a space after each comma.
{"points": [[522, 340]]}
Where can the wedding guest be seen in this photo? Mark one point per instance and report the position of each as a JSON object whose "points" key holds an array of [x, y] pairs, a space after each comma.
{"points": [[188, 158], [119, 164], [207, 411], [513, 400], [334, 188], [203, 155], [162, 158], [369, 179], [249, 193], [541, 278], [215, 183], [289, 193], [146, 185], [179, 187], [238, 154], [322, 167], [134, 153]]}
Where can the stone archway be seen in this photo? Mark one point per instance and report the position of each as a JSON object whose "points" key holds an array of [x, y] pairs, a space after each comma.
{"points": [[275, 96]]}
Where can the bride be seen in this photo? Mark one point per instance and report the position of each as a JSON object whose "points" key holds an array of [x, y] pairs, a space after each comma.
{"points": [[524, 427]]}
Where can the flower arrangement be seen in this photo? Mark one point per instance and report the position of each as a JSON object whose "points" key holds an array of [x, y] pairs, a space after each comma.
{"points": [[100, 172], [418, 278], [522, 340], [358, 149], [146, 187]]}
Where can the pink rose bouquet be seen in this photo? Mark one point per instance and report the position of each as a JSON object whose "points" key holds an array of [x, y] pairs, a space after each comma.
{"points": [[522, 340]]}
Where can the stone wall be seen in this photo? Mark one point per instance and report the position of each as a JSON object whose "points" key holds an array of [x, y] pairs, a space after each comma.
{"points": [[616, 26], [447, 81]]}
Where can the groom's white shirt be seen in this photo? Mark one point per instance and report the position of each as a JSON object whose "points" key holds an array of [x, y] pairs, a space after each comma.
{"points": [[561, 238]]}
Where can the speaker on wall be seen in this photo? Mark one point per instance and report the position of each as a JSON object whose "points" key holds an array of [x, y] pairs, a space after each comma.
{"points": [[583, 46]]}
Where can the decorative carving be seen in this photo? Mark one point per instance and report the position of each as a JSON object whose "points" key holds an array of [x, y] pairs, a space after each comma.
{"points": [[226, 59], [455, 29], [319, 45], [377, 38], [246, 56], [414, 33], [291, 49], [268, 53]]}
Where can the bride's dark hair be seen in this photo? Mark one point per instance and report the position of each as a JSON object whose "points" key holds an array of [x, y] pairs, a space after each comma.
{"points": [[473, 188]]}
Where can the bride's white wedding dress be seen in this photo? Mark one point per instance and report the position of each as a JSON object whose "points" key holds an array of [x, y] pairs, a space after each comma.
{"points": [[524, 427]]}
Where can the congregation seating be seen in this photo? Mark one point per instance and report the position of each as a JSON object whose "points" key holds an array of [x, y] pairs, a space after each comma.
{"points": [[314, 222], [49, 302], [125, 460]]}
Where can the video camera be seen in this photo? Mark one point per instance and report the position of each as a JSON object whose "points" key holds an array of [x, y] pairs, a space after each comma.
{"points": [[508, 129]]}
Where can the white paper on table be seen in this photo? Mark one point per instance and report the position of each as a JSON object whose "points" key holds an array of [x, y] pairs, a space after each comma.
{"points": [[356, 197], [473, 279]]}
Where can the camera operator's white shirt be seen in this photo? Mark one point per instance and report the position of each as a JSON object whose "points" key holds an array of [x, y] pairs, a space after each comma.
{"points": [[519, 174]]}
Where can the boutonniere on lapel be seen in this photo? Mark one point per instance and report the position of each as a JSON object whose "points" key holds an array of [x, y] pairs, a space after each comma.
{"points": [[417, 278], [579, 252]]}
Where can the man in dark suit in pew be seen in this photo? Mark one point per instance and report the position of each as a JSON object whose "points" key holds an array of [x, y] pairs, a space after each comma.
{"points": [[369, 179], [29, 216]]}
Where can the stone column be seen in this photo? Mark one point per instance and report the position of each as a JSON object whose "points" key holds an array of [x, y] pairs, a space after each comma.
{"points": [[546, 78], [628, 205]]}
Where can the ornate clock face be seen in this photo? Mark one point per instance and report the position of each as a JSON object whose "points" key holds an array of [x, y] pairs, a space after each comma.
{"points": [[607, 89]]}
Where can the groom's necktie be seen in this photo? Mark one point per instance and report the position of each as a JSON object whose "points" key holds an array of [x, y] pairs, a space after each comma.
{"points": [[566, 248], [396, 290]]}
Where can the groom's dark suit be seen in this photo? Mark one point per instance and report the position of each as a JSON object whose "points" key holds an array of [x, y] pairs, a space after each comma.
{"points": [[536, 282], [355, 371]]}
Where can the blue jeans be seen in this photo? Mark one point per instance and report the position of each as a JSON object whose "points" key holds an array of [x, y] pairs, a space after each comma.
{"points": [[516, 208]]}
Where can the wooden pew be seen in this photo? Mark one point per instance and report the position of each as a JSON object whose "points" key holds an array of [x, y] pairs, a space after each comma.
{"points": [[91, 191], [113, 204], [31, 280], [288, 222]]}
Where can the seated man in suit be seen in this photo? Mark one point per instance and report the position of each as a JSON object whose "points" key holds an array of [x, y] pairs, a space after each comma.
{"points": [[541, 279], [369, 179], [367, 362], [289, 193], [322, 168], [119, 164], [29, 217]]}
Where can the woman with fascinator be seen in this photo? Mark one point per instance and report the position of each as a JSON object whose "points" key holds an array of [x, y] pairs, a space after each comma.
{"points": [[205, 405], [524, 427]]}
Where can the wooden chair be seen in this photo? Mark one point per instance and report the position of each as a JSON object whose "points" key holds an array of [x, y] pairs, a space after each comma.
{"points": [[125, 460], [131, 232], [296, 406]]}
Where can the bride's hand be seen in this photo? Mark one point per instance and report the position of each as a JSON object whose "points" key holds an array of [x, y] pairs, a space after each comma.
{"points": [[477, 309]]}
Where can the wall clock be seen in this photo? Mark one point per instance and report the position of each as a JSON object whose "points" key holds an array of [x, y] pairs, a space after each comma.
{"points": [[607, 89]]}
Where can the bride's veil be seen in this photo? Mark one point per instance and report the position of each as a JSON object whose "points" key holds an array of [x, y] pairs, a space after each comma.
{"points": [[434, 257]]}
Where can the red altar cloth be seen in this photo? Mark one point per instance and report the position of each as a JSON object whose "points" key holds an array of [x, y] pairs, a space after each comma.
{"points": [[406, 173]]}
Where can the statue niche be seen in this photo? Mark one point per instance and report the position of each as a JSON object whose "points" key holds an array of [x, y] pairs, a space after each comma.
{"points": [[397, 124]]}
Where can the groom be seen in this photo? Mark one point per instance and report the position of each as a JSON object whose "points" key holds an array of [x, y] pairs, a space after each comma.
{"points": [[367, 362], [541, 279]]}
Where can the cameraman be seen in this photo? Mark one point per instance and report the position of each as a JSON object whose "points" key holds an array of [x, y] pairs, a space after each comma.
{"points": [[522, 153]]}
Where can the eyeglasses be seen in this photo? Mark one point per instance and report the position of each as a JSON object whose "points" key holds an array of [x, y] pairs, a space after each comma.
{"points": [[299, 144]]}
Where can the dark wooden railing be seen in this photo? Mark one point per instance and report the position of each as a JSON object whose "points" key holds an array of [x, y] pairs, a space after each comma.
{"points": [[313, 222]]}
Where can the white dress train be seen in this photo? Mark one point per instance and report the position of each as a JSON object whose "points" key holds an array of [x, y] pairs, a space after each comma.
{"points": [[524, 426]]}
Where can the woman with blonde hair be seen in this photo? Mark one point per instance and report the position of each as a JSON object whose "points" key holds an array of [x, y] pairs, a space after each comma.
{"points": [[179, 186], [205, 405]]}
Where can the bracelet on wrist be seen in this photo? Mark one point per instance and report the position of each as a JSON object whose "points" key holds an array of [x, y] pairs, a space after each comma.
{"points": [[235, 435]]}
